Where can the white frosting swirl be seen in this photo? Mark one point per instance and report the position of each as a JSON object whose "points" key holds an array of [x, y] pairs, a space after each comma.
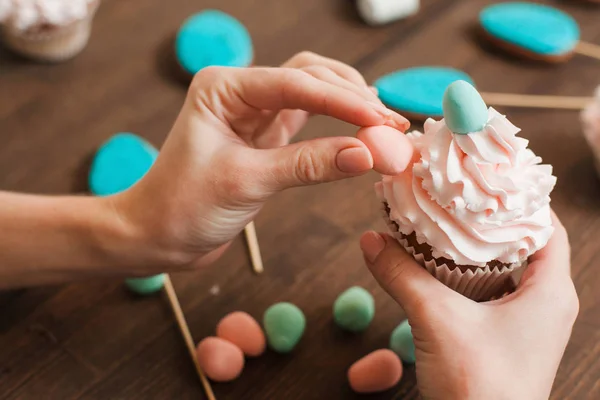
{"points": [[474, 198], [25, 14]]}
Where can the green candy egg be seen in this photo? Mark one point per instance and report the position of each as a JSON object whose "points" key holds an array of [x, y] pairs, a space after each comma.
{"points": [[402, 343], [284, 325], [354, 309], [464, 110], [147, 285]]}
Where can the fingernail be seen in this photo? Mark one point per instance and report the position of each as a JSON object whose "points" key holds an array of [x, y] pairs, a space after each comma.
{"points": [[381, 109], [354, 160], [374, 90], [392, 118], [397, 121], [372, 244]]}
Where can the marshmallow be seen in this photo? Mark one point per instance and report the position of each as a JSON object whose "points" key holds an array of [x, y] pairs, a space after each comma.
{"points": [[379, 12]]}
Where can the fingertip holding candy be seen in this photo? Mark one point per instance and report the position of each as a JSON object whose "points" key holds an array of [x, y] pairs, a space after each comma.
{"points": [[376, 372], [147, 285], [391, 150], [354, 309], [531, 30], [464, 109], [242, 330], [402, 342], [379, 12], [221, 360], [212, 37], [284, 326]]}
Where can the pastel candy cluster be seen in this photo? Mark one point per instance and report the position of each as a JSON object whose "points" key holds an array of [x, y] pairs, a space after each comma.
{"points": [[222, 357]]}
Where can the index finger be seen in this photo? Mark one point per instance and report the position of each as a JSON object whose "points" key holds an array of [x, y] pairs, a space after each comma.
{"points": [[345, 71], [287, 88]]}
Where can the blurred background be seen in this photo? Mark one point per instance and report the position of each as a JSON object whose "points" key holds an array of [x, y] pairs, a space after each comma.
{"points": [[94, 340]]}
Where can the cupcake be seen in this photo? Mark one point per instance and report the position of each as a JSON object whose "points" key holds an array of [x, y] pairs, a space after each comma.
{"points": [[47, 30], [590, 120], [474, 203]]}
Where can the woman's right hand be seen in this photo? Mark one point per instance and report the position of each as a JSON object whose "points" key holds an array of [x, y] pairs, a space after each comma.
{"points": [[503, 349]]}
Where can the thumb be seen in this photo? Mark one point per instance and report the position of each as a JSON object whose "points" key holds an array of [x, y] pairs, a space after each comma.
{"points": [[400, 275], [314, 161]]}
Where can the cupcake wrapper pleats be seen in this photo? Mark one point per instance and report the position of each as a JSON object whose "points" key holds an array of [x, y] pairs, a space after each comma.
{"points": [[480, 284]]}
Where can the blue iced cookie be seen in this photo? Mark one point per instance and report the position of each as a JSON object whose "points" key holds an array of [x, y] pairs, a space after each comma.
{"points": [[147, 285], [212, 37], [119, 163], [418, 92], [533, 30]]}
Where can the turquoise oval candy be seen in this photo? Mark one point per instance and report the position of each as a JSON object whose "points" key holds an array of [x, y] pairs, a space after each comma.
{"points": [[534, 27], [402, 342], [418, 90], [464, 109], [119, 163], [354, 309], [284, 326], [146, 285], [212, 37]]}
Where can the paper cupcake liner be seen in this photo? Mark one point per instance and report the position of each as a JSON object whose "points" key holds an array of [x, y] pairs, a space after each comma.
{"points": [[55, 45], [479, 284]]}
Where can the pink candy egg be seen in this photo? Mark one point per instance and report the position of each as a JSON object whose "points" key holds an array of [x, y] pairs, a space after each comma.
{"points": [[222, 361], [378, 371], [242, 330]]}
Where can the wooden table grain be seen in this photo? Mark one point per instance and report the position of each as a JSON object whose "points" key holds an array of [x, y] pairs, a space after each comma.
{"points": [[94, 340]]}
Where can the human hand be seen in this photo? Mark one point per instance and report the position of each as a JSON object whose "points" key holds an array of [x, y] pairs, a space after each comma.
{"points": [[503, 349], [228, 152]]}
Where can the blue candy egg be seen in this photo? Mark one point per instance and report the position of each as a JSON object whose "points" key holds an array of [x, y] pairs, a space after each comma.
{"points": [[119, 163], [535, 28], [464, 109], [212, 37], [418, 90]]}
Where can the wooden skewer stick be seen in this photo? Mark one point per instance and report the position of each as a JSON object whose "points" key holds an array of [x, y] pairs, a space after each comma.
{"points": [[187, 336], [533, 101], [253, 248], [588, 49]]}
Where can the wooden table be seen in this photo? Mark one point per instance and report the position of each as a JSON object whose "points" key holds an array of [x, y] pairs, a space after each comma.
{"points": [[94, 340]]}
